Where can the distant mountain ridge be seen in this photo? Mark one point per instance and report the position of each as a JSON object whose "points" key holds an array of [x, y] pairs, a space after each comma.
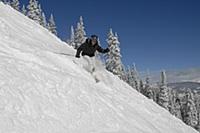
{"points": [[185, 85], [174, 76]]}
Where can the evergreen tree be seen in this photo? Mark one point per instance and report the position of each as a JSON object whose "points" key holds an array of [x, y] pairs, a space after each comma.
{"points": [[197, 103], [177, 109], [197, 100], [40, 13], [113, 61], [163, 98], [198, 124], [80, 34], [142, 87], [42, 17], [190, 111], [133, 78], [148, 89], [148, 92], [52, 25], [43, 20], [146, 85], [72, 37], [172, 98], [129, 76], [174, 103], [34, 11], [124, 74], [15, 4], [156, 91], [23, 10], [136, 78]]}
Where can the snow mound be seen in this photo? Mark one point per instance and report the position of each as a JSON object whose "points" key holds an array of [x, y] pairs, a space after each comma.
{"points": [[42, 91]]}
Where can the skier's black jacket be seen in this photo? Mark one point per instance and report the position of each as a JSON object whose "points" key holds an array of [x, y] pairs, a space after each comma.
{"points": [[88, 49]]}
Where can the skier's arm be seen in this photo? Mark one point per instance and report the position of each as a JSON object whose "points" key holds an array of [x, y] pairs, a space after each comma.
{"points": [[79, 50], [101, 50]]}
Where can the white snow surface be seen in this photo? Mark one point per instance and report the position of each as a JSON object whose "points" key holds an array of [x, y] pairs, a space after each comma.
{"points": [[42, 91]]}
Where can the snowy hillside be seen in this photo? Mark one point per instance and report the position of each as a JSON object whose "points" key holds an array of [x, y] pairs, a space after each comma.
{"points": [[42, 91]]}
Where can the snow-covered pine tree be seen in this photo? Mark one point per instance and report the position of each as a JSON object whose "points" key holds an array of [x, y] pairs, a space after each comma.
{"points": [[124, 74], [142, 88], [156, 91], [172, 99], [51, 25], [129, 76], [197, 99], [146, 84], [80, 34], [23, 10], [197, 103], [163, 97], [198, 125], [40, 13], [71, 40], [34, 11], [190, 111], [15, 4], [148, 89], [150, 93], [43, 20], [133, 77], [177, 108], [189, 95], [113, 61], [136, 78]]}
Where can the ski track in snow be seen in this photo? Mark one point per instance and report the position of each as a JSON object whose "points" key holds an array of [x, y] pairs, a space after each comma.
{"points": [[44, 91]]}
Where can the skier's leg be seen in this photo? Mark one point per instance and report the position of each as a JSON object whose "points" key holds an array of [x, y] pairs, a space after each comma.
{"points": [[94, 69], [87, 63], [92, 64]]}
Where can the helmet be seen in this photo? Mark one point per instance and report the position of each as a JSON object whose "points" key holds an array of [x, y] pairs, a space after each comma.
{"points": [[94, 37]]}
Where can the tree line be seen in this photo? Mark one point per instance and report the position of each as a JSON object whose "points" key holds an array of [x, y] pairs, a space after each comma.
{"points": [[34, 11]]}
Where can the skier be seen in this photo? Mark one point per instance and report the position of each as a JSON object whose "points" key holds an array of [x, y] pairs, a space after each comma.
{"points": [[90, 47], [87, 50]]}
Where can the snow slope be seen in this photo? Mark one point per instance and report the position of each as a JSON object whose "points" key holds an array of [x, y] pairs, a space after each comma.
{"points": [[44, 92]]}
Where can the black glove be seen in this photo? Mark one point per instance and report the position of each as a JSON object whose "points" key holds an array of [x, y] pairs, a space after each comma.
{"points": [[77, 56], [107, 50]]}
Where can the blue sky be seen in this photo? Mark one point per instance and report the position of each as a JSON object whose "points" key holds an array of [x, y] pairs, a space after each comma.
{"points": [[155, 34]]}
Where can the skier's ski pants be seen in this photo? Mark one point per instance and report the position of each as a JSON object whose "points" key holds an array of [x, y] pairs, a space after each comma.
{"points": [[89, 63]]}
